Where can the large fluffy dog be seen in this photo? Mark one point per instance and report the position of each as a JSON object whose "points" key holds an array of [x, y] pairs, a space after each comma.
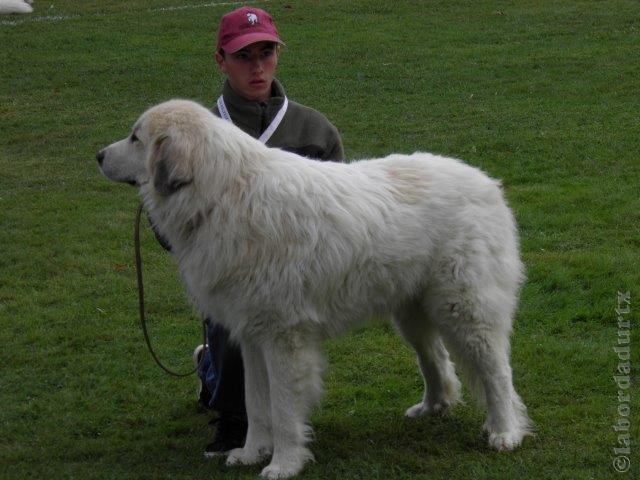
{"points": [[15, 6], [285, 251]]}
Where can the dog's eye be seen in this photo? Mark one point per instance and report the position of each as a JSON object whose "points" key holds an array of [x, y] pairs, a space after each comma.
{"points": [[134, 138]]}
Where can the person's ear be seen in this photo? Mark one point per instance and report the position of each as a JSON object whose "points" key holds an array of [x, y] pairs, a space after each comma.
{"points": [[220, 61]]}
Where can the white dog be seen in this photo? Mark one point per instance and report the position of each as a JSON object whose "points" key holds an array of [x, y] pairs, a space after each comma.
{"points": [[15, 6], [285, 251]]}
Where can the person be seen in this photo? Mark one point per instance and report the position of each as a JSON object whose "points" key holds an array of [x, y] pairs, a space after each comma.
{"points": [[247, 53]]}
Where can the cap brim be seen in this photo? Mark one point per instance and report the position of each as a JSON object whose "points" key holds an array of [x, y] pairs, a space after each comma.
{"points": [[244, 40]]}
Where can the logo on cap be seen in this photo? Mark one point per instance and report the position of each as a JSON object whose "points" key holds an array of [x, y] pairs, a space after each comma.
{"points": [[252, 17]]}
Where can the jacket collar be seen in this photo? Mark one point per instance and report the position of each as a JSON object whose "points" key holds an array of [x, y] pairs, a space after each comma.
{"points": [[250, 116]]}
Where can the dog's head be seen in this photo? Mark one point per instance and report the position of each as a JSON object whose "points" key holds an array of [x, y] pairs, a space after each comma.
{"points": [[159, 153]]}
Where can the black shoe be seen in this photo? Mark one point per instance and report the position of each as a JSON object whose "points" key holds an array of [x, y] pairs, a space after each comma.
{"points": [[231, 432]]}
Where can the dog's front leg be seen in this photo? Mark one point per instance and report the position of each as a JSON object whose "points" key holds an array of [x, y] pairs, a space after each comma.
{"points": [[293, 365], [259, 443]]}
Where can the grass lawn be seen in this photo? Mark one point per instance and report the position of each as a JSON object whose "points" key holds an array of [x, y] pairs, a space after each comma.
{"points": [[539, 93]]}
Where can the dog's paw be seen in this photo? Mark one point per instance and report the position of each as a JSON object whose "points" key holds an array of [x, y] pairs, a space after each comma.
{"points": [[274, 472], [243, 456], [505, 441], [422, 409], [288, 465]]}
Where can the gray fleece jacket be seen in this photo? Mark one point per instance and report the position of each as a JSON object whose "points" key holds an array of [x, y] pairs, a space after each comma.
{"points": [[303, 130]]}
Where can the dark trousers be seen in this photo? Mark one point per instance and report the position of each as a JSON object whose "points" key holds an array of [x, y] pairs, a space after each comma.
{"points": [[228, 398]]}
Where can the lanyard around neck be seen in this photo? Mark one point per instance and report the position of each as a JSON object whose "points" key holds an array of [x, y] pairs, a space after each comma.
{"points": [[266, 135]]}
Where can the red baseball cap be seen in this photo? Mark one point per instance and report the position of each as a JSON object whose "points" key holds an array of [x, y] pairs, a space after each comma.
{"points": [[245, 26]]}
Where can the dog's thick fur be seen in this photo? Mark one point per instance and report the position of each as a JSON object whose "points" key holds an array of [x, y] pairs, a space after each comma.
{"points": [[15, 6], [285, 251]]}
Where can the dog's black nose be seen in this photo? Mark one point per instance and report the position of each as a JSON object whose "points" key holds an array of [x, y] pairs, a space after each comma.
{"points": [[100, 157]]}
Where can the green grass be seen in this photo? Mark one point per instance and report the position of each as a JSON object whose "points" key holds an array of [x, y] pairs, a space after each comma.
{"points": [[542, 94]]}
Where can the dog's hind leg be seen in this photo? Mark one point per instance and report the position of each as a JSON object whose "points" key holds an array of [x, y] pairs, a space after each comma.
{"points": [[259, 443], [482, 345], [294, 364], [441, 385]]}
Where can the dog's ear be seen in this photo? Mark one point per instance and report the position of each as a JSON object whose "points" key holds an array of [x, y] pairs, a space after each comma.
{"points": [[169, 166]]}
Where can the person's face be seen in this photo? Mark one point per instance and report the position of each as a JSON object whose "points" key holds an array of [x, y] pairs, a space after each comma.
{"points": [[251, 69]]}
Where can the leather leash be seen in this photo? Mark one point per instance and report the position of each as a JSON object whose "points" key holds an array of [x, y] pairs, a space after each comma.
{"points": [[141, 309]]}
